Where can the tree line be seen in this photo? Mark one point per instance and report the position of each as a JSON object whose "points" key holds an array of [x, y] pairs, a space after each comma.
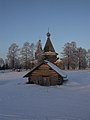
{"points": [[74, 57], [21, 58], [30, 54]]}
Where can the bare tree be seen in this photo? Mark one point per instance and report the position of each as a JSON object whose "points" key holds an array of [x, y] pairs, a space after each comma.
{"points": [[12, 55], [74, 57], [88, 58], [70, 55], [32, 47], [2, 63], [27, 52], [82, 62]]}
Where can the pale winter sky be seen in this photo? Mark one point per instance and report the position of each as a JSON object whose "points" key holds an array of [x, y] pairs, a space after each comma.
{"points": [[28, 20]]}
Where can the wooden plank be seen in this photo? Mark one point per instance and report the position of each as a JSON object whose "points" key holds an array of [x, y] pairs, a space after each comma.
{"points": [[43, 74], [44, 66], [47, 72]]}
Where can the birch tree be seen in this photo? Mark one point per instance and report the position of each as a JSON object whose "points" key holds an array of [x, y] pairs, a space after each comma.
{"points": [[12, 55], [74, 57], [88, 57], [82, 61], [70, 55], [27, 54], [2, 63]]}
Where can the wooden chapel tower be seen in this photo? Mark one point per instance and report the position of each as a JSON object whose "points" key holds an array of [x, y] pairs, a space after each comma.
{"points": [[49, 51]]}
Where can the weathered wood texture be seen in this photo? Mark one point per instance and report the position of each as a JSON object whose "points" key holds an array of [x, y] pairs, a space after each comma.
{"points": [[44, 75]]}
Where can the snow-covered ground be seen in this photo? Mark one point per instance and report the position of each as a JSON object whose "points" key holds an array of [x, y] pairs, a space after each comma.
{"points": [[20, 101]]}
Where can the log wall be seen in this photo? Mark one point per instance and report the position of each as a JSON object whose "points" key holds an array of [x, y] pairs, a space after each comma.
{"points": [[44, 75]]}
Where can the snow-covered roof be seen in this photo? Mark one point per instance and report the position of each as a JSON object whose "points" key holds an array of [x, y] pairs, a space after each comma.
{"points": [[57, 69], [53, 66]]}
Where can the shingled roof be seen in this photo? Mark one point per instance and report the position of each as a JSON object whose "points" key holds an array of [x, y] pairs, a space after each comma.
{"points": [[48, 46]]}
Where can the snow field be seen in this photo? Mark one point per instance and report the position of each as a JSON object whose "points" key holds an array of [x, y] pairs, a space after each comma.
{"points": [[20, 101]]}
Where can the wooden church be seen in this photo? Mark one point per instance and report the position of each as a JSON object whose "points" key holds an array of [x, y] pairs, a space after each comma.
{"points": [[47, 73]]}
